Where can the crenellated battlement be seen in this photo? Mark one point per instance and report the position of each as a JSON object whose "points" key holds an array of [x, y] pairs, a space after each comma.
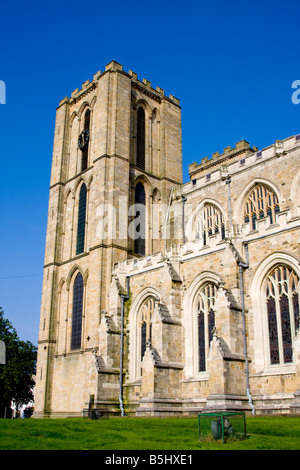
{"points": [[143, 85], [241, 150]]}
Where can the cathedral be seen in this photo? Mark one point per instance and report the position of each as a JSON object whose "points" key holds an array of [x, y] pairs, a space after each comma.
{"points": [[162, 298]]}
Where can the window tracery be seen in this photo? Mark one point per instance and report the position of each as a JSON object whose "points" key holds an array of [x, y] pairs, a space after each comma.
{"points": [[140, 232], [205, 309], [81, 219], [282, 305], [77, 310], [261, 202], [209, 222], [145, 323], [140, 139]]}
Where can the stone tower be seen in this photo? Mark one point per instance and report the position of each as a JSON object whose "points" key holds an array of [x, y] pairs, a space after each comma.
{"points": [[117, 143]]}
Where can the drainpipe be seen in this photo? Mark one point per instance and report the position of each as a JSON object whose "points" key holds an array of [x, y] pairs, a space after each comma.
{"points": [[123, 300], [243, 266], [184, 199]]}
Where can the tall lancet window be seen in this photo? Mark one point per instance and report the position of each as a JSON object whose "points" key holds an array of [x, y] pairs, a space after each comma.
{"points": [[206, 322], [282, 303], [140, 139], [81, 220], [83, 140], [140, 228], [146, 324], [77, 312]]}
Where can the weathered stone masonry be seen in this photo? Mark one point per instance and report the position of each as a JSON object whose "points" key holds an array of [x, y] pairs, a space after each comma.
{"points": [[211, 317]]}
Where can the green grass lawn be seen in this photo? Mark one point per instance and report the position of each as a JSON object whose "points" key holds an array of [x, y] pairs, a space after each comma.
{"points": [[263, 433]]}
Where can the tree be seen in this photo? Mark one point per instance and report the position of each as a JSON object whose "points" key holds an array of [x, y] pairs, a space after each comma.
{"points": [[16, 376]]}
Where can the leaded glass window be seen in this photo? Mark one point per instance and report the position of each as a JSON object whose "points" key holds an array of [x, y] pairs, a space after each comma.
{"points": [[81, 220], [282, 303], [209, 222], [140, 232], [77, 312], [146, 324], [205, 306], [140, 139], [261, 202]]}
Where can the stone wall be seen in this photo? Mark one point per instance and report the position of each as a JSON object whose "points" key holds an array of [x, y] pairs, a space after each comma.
{"points": [[208, 262]]}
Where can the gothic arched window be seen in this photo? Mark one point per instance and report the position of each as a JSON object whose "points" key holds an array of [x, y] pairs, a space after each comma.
{"points": [[140, 139], [282, 304], [145, 324], [210, 221], [84, 140], [140, 210], [81, 220], [261, 202], [77, 312], [205, 303]]}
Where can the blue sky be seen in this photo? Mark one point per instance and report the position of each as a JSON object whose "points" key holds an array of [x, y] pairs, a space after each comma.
{"points": [[231, 64]]}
